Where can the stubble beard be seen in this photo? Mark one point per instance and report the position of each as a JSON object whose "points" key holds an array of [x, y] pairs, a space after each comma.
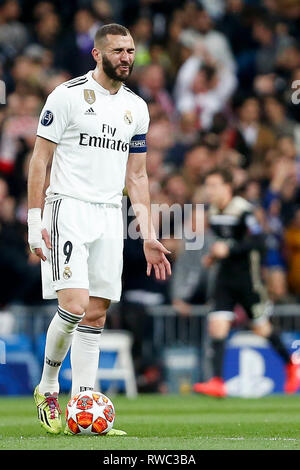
{"points": [[111, 71]]}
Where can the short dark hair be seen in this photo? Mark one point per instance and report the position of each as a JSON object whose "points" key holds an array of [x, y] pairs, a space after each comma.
{"points": [[225, 174], [112, 28]]}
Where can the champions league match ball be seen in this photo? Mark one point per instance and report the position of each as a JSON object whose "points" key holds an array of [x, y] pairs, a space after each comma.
{"points": [[90, 413]]}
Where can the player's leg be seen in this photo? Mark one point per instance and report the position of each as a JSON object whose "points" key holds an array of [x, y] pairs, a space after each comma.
{"points": [[218, 327], [266, 330], [105, 263], [72, 304], [64, 276], [219, 324], [259, 308], [104, 271], [292, 373], [85, 350], [86, 345]]}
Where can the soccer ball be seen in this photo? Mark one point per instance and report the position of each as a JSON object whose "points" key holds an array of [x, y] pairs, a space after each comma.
{"points": [[90, 413]]}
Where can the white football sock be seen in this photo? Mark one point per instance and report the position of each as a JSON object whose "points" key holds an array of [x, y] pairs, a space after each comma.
{"points": [[85, 352], [58, 341]]}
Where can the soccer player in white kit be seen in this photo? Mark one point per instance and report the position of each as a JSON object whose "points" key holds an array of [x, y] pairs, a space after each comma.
{"points": [[94, 129]]}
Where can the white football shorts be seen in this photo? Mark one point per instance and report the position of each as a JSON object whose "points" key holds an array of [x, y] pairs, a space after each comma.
{"points": [[87, 248]]}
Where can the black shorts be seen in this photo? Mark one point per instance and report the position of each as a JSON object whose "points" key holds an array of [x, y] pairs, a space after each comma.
{"points": [[235, 290]]}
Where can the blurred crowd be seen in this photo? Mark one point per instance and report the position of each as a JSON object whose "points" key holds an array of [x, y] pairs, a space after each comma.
{"points": [[221, 80]]}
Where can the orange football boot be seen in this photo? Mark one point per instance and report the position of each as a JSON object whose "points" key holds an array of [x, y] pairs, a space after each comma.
{"points": [[215, 387]]}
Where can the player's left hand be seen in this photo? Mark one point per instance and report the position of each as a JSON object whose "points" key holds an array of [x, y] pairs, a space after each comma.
{"points": [[155, 254], [219, 250]]}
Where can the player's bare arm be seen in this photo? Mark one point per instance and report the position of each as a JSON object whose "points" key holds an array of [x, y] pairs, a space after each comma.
{"points": [[138, 191], [41, 157]]}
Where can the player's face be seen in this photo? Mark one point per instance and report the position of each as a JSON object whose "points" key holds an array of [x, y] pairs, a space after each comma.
{"points": [[216, 189], [118, 57]]}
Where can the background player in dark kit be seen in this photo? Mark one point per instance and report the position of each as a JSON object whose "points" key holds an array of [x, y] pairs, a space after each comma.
{"points": [[238, 252]]}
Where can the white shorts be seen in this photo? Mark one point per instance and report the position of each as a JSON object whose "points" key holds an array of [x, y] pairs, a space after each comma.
{"points": [[87, 248]]}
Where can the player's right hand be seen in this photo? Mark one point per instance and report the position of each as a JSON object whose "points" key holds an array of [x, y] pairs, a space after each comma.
{"points": [[36, 234], [38, 251]]}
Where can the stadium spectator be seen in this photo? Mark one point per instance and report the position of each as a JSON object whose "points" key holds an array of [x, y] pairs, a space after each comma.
{"points": [[156, 170], [142, 31], [280, 124], [266, 55], [46, 31], [202, 32], [14, 36], [236, 27], [192, 281], [252, 138], [42, 9], [208, 94], [275, 262], [197, 163], [79, 41], [292, 239], [152, 88], [186, 135], [284, 187], [19, 129], [161, 134]]}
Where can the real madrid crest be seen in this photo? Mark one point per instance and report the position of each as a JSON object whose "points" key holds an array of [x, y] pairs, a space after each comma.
{"points": [[89, 96], [128, 117], [67, 273]]}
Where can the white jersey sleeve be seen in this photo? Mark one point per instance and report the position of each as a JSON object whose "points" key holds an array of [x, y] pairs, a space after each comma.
{"points": [[138, 141], [54, 117]]}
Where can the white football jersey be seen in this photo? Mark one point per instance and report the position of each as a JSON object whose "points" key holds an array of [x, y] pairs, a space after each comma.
{"points": [[94, 132]]}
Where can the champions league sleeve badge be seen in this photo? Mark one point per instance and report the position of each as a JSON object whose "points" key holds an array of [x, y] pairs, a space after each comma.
{"points": [[47, 118]]}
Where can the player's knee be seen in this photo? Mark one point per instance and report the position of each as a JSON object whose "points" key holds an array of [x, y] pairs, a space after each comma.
{"points": [[73, 300], [95, 318], [218, 328], [96, 312], [75, 308], [264, 329]]}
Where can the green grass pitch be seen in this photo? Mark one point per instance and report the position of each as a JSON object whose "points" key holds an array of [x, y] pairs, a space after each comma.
{"points": [[156, 422]]}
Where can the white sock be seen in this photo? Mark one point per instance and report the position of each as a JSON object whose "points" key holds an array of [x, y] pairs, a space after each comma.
{"points": [[58, 341], [85, 352]]}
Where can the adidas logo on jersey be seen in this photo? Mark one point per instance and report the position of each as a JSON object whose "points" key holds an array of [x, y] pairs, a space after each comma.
{"points": [[90, 111]]}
